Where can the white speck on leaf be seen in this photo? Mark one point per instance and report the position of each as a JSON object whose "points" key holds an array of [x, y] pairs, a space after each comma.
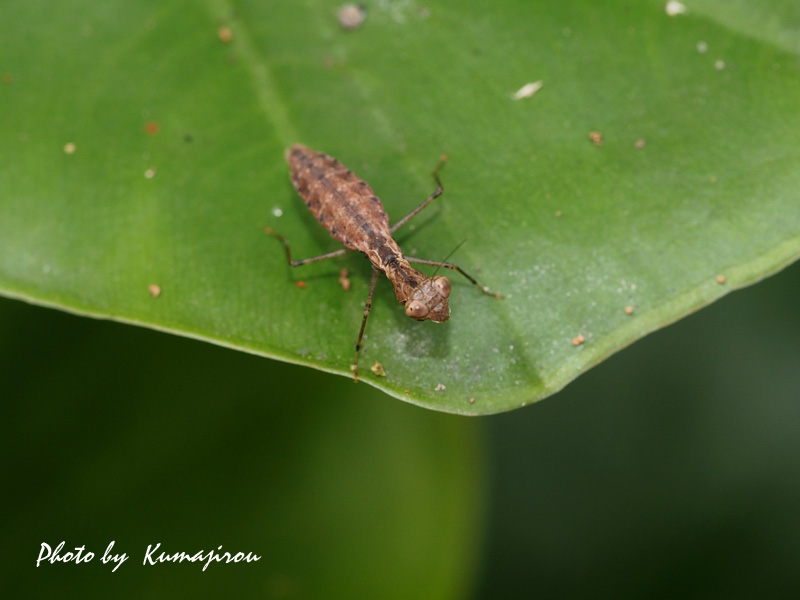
{"points": [[674, 8], [527, 90]]}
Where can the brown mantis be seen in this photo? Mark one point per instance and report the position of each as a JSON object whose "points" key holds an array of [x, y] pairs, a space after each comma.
{"points": [[348, 208]]}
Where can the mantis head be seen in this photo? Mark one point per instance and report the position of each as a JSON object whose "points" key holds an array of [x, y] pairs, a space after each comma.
{"points": [[428, 301]]}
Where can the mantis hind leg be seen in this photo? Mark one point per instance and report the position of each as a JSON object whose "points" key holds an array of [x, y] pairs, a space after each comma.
{"points": [[299, 263]]}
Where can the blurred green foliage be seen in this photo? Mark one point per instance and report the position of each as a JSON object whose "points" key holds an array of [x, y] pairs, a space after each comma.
{"points": [[117, 433]]}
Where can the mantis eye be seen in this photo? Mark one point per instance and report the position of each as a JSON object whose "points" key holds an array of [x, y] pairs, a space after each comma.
{"points": [[417, 310], [443, 285]]}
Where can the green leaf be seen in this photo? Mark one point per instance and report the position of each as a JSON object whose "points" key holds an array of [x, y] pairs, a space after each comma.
{"points": [[571, 233]]}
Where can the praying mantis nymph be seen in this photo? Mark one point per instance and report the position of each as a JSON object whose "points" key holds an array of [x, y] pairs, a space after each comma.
{"points": [[348, 208]]}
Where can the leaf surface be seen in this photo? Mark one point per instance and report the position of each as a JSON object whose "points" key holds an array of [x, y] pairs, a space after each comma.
{"points": [[178, 167]]}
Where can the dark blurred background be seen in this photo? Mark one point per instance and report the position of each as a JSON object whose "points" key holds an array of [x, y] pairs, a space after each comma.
{"points": [[670, 470]]}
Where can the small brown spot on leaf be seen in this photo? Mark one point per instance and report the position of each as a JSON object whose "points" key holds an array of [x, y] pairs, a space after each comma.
{"points": [[344, 281], [351, 16], [225, 34], [377, 368]]}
